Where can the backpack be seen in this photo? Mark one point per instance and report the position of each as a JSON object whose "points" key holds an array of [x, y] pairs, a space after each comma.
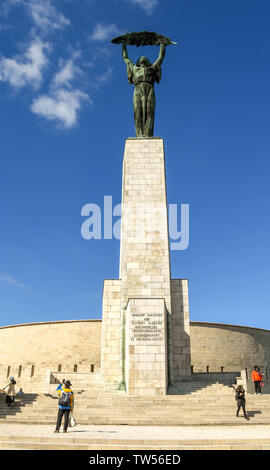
{"points": [[65, 399]]}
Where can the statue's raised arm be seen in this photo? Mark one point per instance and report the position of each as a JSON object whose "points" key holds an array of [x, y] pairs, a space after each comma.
{"points": [[129, 63], [125, 54], [161, 56]]}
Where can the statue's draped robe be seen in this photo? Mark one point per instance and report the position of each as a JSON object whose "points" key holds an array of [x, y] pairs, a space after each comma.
{"points": [[144, 99]]}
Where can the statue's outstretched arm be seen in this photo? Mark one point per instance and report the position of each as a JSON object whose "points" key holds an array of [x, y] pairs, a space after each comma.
{"points": [[125, 54], [160, 57]]}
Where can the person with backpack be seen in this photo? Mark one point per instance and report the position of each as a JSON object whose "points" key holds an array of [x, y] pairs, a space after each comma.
{"points": [[10, 396], [65, 403]]}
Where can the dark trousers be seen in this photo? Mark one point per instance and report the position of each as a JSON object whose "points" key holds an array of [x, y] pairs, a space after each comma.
{"points": [[257, 386], [9, 400], [241, 404], [60, 415]]}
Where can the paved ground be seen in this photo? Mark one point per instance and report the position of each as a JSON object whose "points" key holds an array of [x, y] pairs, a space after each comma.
{"points": [[141, 432]]}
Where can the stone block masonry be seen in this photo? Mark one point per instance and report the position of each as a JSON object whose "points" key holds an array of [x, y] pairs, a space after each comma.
{"points": [[146, 348], [144, 252], [180, 330], [111, 332], [144, 277]]}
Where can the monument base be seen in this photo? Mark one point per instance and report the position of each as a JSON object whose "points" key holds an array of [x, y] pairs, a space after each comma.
{"points": [[114, 344]]}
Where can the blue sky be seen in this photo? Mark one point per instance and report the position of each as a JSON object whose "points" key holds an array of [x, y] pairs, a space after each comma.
{"points": [[66, 110]]}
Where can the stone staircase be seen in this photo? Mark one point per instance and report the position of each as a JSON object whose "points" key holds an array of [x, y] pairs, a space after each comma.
{"points": [[187, 404]]}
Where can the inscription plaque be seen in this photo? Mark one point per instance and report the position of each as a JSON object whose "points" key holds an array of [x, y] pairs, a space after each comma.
{"points": [[147, 327], [146, 351]]}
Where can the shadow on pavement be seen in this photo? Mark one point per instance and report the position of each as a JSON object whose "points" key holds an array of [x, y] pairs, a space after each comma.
{"points": [[20, 402]]}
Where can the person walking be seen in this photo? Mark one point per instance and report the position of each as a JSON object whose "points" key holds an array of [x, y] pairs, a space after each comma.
{"points": [[11, 392], [241, 401], [257, 379], [66, 405]]}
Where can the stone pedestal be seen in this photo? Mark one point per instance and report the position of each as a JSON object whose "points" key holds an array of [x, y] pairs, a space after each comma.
{"points": [[145, 260], [144, 285]]}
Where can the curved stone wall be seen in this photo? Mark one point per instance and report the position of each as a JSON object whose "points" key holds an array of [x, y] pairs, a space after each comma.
{"points": [[229, 346], [28, 351]]}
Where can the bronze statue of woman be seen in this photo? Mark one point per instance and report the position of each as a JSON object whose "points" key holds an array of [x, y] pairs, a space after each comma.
{"points": [[143, 75]]}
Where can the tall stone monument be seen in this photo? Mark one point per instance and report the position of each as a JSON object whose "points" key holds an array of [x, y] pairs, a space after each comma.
{"points": [[145, 324]]}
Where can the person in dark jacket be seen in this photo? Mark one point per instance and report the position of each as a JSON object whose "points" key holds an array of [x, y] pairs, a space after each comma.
{"points": [[241, 401]]}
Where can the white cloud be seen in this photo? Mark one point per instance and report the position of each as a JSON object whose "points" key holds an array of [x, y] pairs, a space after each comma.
{"points": [[68, 72], [12, 281], [43, 13], [63, 102], [60, 105], [103, 32], [65, 75], [27, 68], [147, 5]]}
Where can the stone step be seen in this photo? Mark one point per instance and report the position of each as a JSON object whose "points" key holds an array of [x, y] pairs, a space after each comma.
{"points": [[144, 420], [133, 407], [134, 403], [225, 447], [68, 443], [125, 412], [149, 415], [151, 418], [130, 404], [196, 418], [117, 394], [191, 422]]}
